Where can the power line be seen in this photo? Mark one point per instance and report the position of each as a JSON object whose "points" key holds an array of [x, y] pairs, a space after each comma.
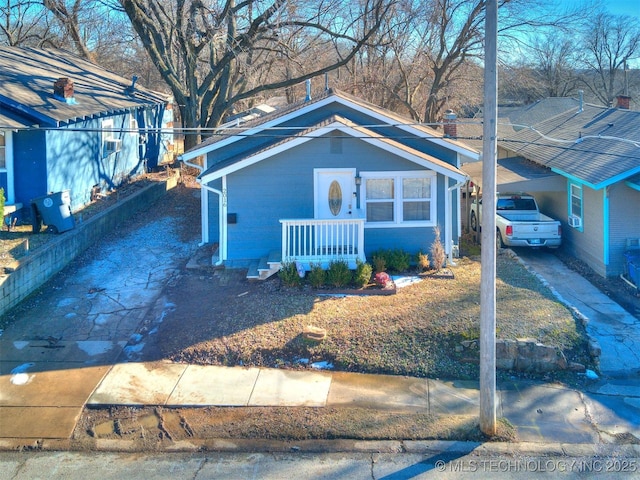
{"points": [[271, 132]]}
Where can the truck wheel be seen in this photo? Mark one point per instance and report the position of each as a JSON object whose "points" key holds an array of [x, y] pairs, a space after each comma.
{"points": [[474, 221], [499, 241]]}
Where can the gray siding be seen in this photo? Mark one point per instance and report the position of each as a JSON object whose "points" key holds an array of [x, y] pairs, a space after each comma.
{"points": [[282, 187], [588, 244], [592, 242], [624, 223]]}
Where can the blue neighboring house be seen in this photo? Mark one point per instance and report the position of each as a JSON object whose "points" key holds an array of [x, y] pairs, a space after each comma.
{"points": [[67, 124], [332, 178]]}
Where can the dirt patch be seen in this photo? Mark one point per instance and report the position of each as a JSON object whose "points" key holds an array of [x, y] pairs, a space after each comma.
{"points": [[220, 318], [155, 428]]}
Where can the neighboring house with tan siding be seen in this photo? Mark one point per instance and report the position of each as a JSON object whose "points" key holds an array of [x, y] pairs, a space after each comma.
{"points": [[588, 173]]}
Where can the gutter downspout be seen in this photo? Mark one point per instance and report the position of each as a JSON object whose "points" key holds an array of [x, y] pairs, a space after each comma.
{"points": [[449, 213], [194, 165], [222, 217]]}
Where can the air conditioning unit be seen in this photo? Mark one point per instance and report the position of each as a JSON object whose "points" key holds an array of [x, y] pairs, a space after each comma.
{"points": [[112, 145], [575, 222]]}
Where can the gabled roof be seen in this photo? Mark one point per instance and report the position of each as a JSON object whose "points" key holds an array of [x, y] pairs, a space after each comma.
{"points": [[326, 126], [288, 116], [27, 76], [597, 146], [538, 111]]}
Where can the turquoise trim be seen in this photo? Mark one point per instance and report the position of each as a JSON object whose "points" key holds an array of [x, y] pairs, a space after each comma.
{"points": [[605, 230], [599, 186], [635, 186]]}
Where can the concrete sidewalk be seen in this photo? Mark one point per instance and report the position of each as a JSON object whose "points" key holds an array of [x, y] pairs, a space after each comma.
{"points": [[47, 404]]}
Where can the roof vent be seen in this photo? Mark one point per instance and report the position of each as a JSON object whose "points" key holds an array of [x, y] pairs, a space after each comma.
{"points": [[63, 90], [131, 89]]}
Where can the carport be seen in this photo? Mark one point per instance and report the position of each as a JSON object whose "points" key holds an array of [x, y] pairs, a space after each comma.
{"points": [[513, 174]]}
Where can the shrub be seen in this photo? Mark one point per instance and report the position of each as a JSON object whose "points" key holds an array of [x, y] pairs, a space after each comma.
{"points": [[379, 262], [438, 255], [338, 274], [362, 275], [422, 259], [382, 279], [398, 260], [289, 276], [2, 200], [317, 276]]}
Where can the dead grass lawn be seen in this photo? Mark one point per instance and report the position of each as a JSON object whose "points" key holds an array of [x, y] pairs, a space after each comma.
{"points": [[414, 332]]}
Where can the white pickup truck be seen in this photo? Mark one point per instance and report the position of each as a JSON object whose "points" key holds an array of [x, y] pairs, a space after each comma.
{"points": [[519, 223]]}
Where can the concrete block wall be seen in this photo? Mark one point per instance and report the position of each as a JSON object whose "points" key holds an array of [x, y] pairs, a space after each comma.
{"points": [[36, 268]]}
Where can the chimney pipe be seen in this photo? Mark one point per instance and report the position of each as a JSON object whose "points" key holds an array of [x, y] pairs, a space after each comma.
{"points": [[450, 127], [308, 83], [581, 97]]}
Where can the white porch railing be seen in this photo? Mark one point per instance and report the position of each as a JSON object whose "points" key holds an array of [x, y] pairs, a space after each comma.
{"points": [[321, 241]]}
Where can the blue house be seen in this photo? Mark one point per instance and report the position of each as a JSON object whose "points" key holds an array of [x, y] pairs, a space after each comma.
{"points": [[67, 124], [326, 179]]}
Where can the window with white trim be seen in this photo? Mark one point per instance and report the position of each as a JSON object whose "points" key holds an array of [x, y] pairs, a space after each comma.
{"points": [[575, 202], [110, 143], [392, 199], [107, 134]]}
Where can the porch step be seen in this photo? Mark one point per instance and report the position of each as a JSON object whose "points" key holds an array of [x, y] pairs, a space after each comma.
{"points": [[265, 267], [252, 272], [275, 257]]}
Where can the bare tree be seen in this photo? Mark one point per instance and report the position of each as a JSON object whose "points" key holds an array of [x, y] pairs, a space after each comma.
{"points": [[23, 22], [610, 42], [214, 54], [555, 59], [429, 54], [68, 13]]}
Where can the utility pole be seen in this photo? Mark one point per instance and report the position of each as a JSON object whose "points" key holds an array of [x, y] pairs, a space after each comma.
{"points": [[488, 235]]}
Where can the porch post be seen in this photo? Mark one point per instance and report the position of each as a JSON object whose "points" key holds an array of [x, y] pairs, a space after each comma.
{"points": [[448, 219], [361, 254], [204, 221], [223, 220]]}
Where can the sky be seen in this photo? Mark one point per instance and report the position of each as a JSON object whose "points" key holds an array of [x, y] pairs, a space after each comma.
{"points": [[615, 7], [622, 7]]}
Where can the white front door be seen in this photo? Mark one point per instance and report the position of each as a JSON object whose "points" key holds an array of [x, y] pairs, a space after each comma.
{"points": [[335, 193]]}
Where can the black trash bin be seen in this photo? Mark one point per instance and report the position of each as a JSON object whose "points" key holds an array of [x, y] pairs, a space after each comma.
{"points": [[54, 210]]}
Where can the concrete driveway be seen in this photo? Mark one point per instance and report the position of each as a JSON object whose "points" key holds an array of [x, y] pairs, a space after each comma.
{"points": [[613, 400], [68, 336]]}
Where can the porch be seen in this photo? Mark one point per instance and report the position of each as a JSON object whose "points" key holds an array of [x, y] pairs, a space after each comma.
{"points": [[314, 242]]}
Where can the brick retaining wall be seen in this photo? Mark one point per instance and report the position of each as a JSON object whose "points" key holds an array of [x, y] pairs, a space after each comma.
{"points": [[36, 268]]}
